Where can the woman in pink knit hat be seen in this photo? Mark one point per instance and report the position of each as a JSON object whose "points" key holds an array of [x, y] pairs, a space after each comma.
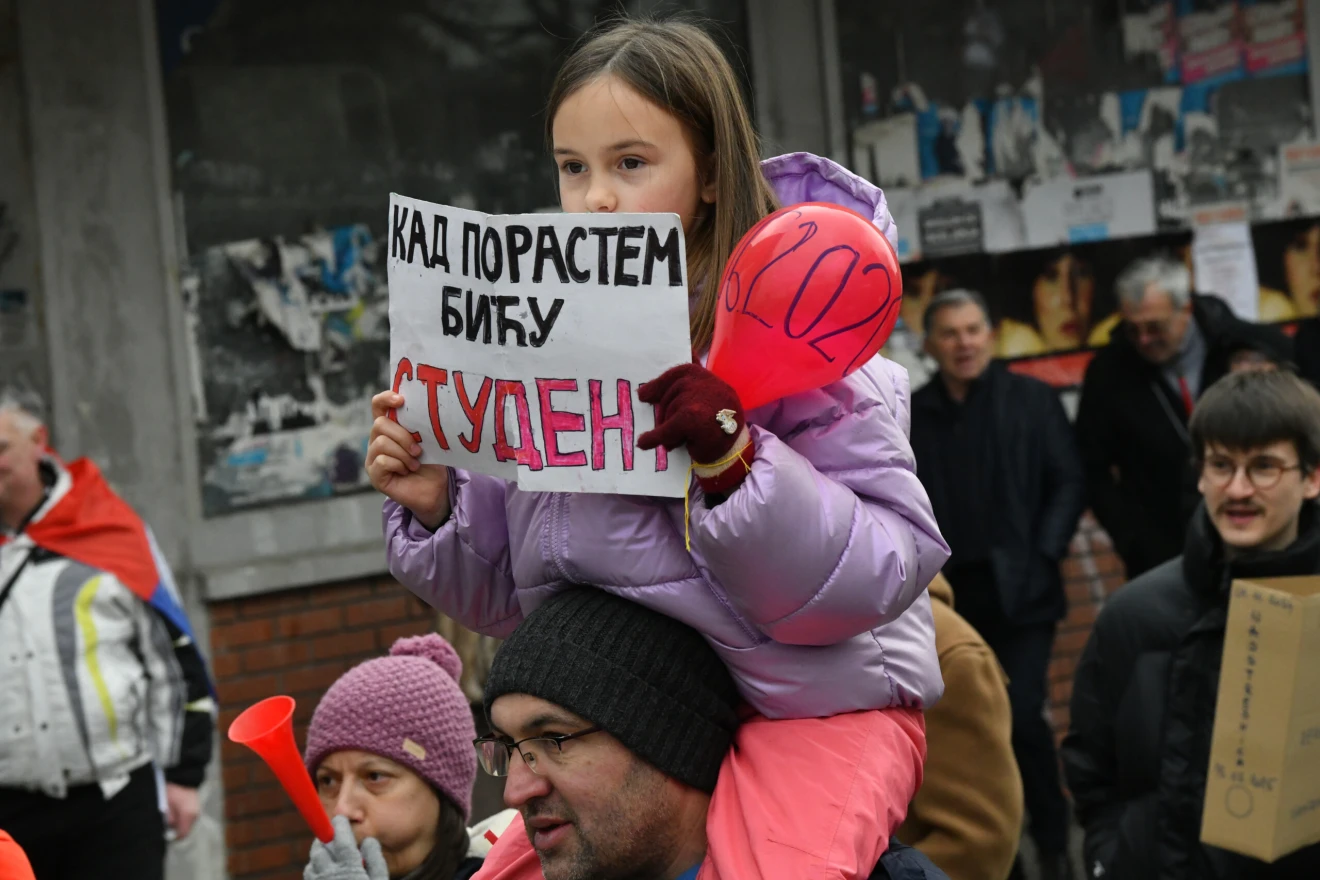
{"points": [[390, 748]]}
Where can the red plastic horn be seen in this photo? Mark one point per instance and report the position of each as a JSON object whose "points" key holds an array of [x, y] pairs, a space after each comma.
{"points": [[267, 729]]}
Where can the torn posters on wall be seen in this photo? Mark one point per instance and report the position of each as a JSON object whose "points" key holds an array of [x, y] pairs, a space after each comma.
{"points": [[1209, 41], [949, 218], [1275, 36], [886, 151], [1232, 135], [1224, 260], [1299, 178], [1089, 209], [519, 342], [290, 339], [1150, 38]]}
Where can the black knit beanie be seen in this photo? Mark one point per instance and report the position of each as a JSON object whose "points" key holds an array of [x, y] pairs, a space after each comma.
{"points": [[651, 682]]}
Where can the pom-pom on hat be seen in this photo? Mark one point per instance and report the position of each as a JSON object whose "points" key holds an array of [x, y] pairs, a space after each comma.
{"points": [[407, 707]]}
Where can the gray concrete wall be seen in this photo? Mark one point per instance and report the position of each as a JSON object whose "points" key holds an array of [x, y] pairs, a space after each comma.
{"points": [[798, 109], [100, 210]]}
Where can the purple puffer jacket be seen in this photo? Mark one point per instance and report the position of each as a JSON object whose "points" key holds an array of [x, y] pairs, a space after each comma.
{"points": [[810, 580]]}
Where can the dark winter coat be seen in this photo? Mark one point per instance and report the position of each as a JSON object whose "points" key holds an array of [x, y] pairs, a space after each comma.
{"points": [[1040, 490], [1308, 351], [1143, 708]]}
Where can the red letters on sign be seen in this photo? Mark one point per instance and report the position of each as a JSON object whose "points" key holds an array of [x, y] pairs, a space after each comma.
{"points": [[554, 421], [475, 412], [621, 421], [526, 453], [403, 371], [434, 377]]}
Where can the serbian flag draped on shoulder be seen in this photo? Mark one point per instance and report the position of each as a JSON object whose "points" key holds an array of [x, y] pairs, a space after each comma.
{"points": [[91, 524], [85, 589]]}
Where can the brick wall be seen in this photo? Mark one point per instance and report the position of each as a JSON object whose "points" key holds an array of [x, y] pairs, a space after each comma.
{"points": [[297, 643], [1091, 573]]}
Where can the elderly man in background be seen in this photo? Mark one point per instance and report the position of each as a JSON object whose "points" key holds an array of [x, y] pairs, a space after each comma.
{"points": [[997, 456], [102, 690], [1138, 395]]}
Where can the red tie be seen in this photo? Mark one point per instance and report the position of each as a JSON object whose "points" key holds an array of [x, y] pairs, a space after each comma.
{"points": [[1186, 394]]}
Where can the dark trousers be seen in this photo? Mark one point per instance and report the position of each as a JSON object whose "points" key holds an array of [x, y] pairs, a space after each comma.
{"points": [[1024, 652], [84, 836]]}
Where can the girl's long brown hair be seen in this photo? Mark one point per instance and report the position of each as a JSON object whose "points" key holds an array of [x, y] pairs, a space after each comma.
{"points": [[677, 66]]}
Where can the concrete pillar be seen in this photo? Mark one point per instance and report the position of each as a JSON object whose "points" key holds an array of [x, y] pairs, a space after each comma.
{"points": [[100, 182], [100, 208], [22, 343], [798, 103]]}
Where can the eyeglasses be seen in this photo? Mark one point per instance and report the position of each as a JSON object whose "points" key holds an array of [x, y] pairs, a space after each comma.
{"points": [[1263, 473], [495, 755]]}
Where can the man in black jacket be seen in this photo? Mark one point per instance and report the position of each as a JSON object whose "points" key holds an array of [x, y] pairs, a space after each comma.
{"points": [[997, 456], [1137, 397], [1143, 702], [1308, 351]]}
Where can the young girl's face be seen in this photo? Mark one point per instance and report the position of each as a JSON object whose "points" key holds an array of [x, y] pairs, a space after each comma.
{"points": [[618, 152]]}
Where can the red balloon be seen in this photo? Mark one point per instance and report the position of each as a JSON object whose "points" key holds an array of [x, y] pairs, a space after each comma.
{"points": [[810, 294]]}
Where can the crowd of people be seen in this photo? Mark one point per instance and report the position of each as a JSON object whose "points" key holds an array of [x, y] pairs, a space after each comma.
{"points": [[843, 675]]}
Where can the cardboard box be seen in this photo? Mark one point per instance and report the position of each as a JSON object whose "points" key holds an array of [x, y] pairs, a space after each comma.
{"points": [[1262, 793]]}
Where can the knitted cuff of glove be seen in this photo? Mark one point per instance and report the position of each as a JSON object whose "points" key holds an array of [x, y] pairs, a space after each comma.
{"points": [[727, 475]]}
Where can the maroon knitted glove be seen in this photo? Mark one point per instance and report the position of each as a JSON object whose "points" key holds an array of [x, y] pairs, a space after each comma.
{"points": [[699, 410]]}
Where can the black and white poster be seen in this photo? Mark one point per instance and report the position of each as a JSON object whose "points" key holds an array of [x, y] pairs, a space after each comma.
{"points": [[289, 341]]}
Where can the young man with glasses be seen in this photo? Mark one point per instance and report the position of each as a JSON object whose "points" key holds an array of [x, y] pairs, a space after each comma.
{"points": [[1137, 396], [1144, 696], [612, 726]]}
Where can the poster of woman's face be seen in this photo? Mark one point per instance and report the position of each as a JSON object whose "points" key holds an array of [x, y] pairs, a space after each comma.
{"points": [[1052, 300], [1050, 307], [1062, 295], [1288, 263]]}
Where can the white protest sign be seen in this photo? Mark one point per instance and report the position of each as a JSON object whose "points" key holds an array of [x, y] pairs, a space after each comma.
{"points": [[519, 341]]}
